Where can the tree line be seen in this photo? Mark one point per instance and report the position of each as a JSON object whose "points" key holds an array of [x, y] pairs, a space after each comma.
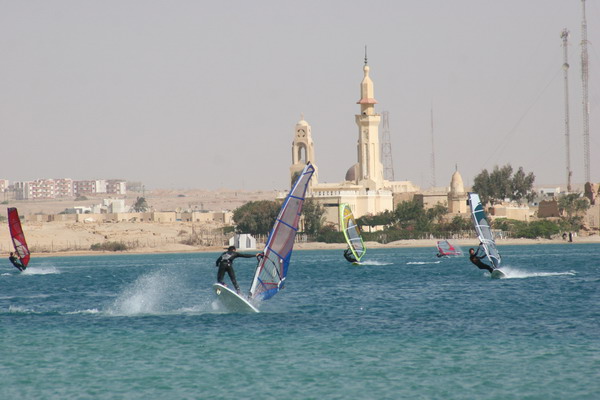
{"points": [[410, 220]]}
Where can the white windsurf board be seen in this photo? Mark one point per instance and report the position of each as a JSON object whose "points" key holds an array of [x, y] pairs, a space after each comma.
{"points": [[497, 274], [232, 301]]}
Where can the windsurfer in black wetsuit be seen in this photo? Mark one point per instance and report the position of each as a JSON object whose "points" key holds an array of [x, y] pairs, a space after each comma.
{"points": [[16, 262], [348, 255], [475, 259], [225, 264]]}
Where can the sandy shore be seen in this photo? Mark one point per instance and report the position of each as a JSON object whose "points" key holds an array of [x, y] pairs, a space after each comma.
{"points": [[63, 239]]}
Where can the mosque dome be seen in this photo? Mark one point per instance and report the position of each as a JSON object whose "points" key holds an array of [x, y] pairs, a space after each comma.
{"points": [[456, 184], [351, 173]]}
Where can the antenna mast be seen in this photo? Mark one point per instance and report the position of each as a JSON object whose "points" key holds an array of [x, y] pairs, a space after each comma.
{"points": [[565, 37], [386, 149], [433, 182], [585, 101]]}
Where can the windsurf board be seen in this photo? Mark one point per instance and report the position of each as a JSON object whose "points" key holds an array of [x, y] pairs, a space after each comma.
{"points": [[232, 301], [497, 274]]}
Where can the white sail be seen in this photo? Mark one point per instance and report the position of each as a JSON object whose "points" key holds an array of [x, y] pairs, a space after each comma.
{"points": [[271, 271], [482, 227]]}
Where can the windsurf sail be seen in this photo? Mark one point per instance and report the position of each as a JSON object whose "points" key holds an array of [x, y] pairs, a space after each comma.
{"points": [[445, 248], [351, 232], [272, 268], [482, 227], [18, 238]]}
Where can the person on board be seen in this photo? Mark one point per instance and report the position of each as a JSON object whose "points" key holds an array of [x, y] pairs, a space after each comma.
{"points": [[349, 256], [225, 264], [16, 261], [475, 259]]}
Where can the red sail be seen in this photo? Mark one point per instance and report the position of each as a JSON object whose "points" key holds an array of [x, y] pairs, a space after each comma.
{"points": [[16, 232]]}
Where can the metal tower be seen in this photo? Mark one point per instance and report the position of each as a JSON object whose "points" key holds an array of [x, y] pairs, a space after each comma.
{"points": [[585, 101], [565, 37], [386, 149], [433, 182]]}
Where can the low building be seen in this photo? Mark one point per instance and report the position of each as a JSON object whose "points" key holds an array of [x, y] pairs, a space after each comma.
{"points": [[91, 187], [430, 199], [23, 190], [116, 186], [511, 211], [243, 241], [63, 187], [548, 209], [221, 217], [592, 217]]}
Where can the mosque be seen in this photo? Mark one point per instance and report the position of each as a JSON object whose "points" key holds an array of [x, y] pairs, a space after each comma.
{"points": [[364, 187]]}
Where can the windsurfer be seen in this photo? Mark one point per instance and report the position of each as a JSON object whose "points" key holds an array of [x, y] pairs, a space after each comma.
{"points": [[475, 259], [16, 262], [348, 255], [225, 264]]}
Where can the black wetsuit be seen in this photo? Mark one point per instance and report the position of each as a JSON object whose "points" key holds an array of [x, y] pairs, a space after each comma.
{"points": [[225, 264], [477, 261], [17, 263], [349, 256]]}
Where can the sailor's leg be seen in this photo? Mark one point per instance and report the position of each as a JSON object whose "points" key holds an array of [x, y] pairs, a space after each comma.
{"points": [[221, 275], [486, 267], [231, 273]]}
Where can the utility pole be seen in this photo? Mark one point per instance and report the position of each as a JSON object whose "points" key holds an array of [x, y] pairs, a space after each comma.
{"points": [[585, 101], [433, 182], [386, 148], [565, 37]]}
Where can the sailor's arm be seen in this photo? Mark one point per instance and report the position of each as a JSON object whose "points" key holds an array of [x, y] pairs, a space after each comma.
{"points": [[244, 255]]}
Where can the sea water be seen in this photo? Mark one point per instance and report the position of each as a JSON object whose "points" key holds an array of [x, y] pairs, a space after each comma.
{"points": [[403, 324]]}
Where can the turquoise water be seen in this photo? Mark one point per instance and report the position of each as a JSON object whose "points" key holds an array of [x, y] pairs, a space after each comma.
{"points": [[402, 325]]}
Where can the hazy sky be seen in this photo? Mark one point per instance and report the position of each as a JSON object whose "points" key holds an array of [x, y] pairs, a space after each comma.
{"points": [[206, 94]]}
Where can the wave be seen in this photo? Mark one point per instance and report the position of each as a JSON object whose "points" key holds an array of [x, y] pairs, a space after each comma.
{"points": [[157, 293], [145, 296], [40, 271], [422, 262], [89, 311], [515, 273], [368, 262]]}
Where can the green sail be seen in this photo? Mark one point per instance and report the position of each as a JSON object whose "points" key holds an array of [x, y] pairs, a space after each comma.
{"points": [[351, 232]]}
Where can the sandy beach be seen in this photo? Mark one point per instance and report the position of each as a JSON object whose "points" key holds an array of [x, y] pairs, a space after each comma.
{"points": [[62, 238], [68, 238]]}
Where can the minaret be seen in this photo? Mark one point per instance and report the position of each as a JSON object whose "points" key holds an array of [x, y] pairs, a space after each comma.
{"points": [[303, 150], [457, 195], [370, 169]]}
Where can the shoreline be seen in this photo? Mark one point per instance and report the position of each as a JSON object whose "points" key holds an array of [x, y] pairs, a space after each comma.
{"points": [[408, 243]]}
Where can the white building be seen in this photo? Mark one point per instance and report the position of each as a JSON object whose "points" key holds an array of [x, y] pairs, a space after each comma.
{"points": [[364, 187], [81, 188], [243, 241]]}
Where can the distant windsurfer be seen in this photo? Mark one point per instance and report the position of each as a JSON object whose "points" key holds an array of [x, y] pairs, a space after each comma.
{"points": [[475, 259], [348, 255], [16, 262], [225, 264]]}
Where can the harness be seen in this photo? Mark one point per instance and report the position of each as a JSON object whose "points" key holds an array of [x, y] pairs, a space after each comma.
{"points": [[226, 259]]}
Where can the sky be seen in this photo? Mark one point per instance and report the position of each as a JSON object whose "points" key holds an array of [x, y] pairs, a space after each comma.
{"points": [[206, 94]]}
